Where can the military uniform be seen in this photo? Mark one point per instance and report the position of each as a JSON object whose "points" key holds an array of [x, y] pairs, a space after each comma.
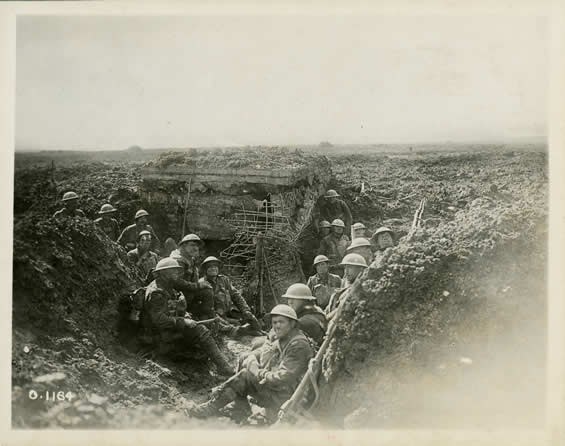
{"points": [[65, 212], [110, 227], [226, 297], [338, 209], [189, 279], [312, 321], [334, 247], [270, 375], [146, 262], [163, 315], [200, 300], [128, 237], [227, 303], [323, 287]]}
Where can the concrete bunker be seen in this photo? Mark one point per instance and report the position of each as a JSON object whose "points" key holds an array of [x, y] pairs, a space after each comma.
{"points": [[251, 206]]}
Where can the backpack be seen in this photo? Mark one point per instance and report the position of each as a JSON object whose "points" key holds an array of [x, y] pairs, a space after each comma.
{"points": [[129, 308]]}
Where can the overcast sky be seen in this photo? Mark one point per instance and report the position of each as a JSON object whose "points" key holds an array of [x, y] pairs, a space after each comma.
{"points": [[113, 82]]}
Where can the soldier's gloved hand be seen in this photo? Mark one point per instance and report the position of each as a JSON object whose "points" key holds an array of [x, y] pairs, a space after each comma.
{"points": [[190, 323], [262, 376]]}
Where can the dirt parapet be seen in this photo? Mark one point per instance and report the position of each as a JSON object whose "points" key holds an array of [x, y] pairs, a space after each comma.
{"points": [[68, 282], [479, 273]]}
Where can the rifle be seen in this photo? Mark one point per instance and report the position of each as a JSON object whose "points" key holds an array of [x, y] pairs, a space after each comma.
{"points": [[292, 406], [207, 321]]}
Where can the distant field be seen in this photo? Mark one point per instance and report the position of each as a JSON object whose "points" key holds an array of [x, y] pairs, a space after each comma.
{"points": [[61, 157]]}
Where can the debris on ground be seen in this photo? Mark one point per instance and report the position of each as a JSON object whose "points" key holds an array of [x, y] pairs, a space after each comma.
{"points": [[470, 282]]}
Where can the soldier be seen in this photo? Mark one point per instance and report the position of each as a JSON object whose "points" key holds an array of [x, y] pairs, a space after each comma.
{"points": [[354, 265], [228, 303], [142, 257], [333, 245], [324, 229], [311, 318], [70, 209], [382, 239], [323, 283], [270, 374], [164, 317], [187, 255], [128, 237], [335, 207], [311, 244], [108, 224], [361, 246], [358, 230]]}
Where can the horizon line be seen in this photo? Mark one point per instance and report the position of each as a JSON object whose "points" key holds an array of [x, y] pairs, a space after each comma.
{"points": [[321, 145]]}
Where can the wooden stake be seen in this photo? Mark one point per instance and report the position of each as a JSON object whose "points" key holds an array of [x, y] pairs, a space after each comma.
{"points": [[186, 207], [259, 266]]}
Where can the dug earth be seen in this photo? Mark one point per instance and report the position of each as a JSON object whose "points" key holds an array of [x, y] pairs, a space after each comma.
{"points": [[446, 329]]}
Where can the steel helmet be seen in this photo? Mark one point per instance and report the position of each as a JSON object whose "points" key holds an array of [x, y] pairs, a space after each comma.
{"points": [[358, 226], [354, 260], [106, 209], [69, 196], [338, 222], [284, 310], [381, 230], [141, 213], [209, 260], [167, 263], [325, 224], [142, 233], [331, 193], [299, 291], [190, 238], [320, 259], [358, 242]]}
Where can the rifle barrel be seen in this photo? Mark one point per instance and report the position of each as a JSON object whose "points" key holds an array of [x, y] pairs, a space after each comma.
{"points": [[290, 405]]}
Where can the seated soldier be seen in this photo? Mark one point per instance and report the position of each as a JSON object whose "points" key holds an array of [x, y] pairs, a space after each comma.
{"points": [[142, 257], [228, 303], [270, 374], [323, 283], [311, 319], [354, 265], [164, 319], [187, 256]]}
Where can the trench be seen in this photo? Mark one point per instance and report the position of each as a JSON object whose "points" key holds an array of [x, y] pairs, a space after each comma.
{"points": [[68, 280]]}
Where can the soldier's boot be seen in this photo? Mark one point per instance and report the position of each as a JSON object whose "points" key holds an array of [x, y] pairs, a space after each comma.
{"points": [[210, 347], [212, 407], [241, 409]]}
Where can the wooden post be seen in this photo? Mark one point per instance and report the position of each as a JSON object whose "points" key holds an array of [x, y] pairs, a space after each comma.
{"points": [[259, 266], [186, 207]]}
